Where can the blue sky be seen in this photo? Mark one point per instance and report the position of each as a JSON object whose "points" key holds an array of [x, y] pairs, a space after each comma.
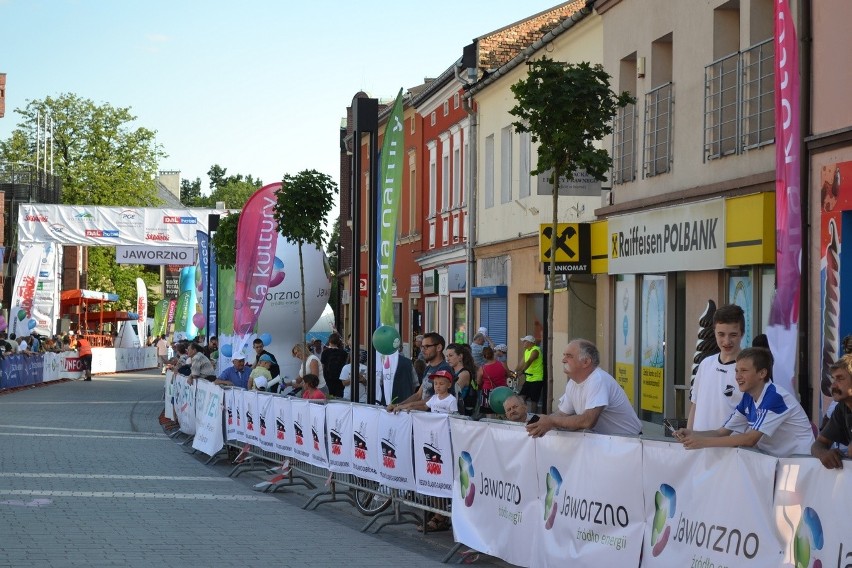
{"points": [[258, 87]]}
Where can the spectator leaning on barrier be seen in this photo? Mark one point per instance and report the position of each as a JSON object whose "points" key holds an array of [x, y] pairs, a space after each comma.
{"points": [[237, 375], [593, 400], [516, 409], [838, 429], [767, 417], [200, 366]]}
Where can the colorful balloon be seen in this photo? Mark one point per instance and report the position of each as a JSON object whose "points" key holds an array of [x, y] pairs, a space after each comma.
{"points": [[266, 338], [497, 397], [21, 315], [226, 350], [199, 320], [31, 324], [386, 340]]}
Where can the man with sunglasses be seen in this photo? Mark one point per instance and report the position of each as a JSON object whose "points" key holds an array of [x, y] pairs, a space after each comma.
{"points": [[432, 350]]}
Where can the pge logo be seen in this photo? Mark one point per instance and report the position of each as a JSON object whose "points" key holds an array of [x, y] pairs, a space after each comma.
{"points": [[176, 220], [553, 481], [129, 218], [665, 503], [808, 538], [466, 473], [57, 228]]}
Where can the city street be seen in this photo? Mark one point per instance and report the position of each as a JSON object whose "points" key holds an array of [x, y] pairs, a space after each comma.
{"points": [[88, 478]]}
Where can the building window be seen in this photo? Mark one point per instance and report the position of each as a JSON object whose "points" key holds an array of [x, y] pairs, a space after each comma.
{"points": [[431, 233], [524, 164], [456, 100], [456, 233], [433, 181], [456, 176], [506, 165], [412, 200], [445, 182], [411, 129], [432, 118], [624, 145], [445, 230], [658, 130], [465, 171], [489, 171]]}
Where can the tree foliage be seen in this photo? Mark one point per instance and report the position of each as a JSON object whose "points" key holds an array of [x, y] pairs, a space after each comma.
{"points": [[567, 108], [108, 276], [225, 241], [304, 201], [190, 193], [101, 157]]}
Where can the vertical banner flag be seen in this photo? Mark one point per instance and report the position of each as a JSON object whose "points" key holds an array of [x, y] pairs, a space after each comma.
{"points": [[301, 428], [250, 413], [23, 292], [170, 314], [316, 448], [240, 416], [204, 269], [230, 415], [225, 313], [159, 326], [257, 236], [142, 310], [46, 299], [284, 431], [184, 403], [211, 291], [390, 179], [784, 315], [266, 411], [365, 439]]}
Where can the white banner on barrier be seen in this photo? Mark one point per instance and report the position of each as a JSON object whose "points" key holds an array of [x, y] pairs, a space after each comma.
{"points": [[184, 404], [301, 426], [433, 453], [266, 417], [240, 416], [495, 493], [812, 512], [365, 436], [284, 431], [338, 419], [396, 468], [169, 396], [252, 425], [230, 414], [208, 418], [316, 449], [710, 507], [590, 513]]}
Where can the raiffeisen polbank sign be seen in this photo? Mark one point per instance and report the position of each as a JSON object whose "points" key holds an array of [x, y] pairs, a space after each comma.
{"points": [[686, 237]]}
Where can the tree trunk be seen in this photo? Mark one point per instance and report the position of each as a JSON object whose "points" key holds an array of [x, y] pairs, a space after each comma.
{"points": [[550, 293], [304, 315]]}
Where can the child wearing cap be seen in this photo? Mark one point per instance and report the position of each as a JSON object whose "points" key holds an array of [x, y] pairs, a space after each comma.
{"points": [[442, 400], [260, 375]]}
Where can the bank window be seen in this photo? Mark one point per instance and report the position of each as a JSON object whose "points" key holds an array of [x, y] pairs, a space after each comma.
{"points": [[652, 350]]}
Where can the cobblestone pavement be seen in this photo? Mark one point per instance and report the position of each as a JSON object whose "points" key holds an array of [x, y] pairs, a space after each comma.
{"points": [[88, 478]]}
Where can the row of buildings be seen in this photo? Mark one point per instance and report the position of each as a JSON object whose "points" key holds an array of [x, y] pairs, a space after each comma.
{"points": [[687, 215]]}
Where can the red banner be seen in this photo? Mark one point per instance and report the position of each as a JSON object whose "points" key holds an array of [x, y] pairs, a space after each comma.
{"points": [[784, 316], [257, 237]]}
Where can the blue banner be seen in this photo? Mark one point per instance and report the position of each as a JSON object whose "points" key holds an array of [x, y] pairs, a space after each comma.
{"points": [[209, 288], [21, 370]]}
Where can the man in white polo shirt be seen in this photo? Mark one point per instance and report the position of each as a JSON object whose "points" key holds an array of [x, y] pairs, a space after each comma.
{"points": [[593, 400]]}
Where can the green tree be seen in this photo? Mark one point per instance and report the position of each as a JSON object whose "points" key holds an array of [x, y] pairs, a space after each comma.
{"points": [[234, 191], [567, 108], [108, 276], [190, 193], [17, 149], [303, 203], [101, 158], [225, 241]]}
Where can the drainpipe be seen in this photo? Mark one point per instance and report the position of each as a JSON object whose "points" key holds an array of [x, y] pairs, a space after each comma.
{"points": [[470, 269]]}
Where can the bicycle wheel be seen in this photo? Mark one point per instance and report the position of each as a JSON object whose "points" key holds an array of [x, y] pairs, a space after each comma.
{"points": [[373, 499]]}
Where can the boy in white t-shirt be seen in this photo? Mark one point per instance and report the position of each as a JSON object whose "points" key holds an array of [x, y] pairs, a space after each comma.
{"points": [[768, 417], [442, 400], [715, 394]]}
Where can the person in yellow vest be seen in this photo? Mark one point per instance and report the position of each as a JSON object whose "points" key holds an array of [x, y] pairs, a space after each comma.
{"points": [[532, 370]]}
